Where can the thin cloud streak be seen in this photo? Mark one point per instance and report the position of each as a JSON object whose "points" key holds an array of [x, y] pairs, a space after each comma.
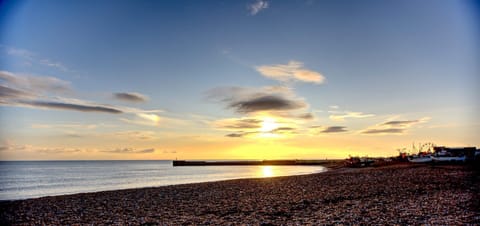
{"points": [[238, 124], [130, 151], [130, 97], [236, 135], [401, 123], [384, 131], [33, 58], [267, 103], [39, 92], [341, 116], [7, 93], [70, 106], [35, 84], [398, 127], [66, 126], [257, 6], [335, 129], [277, 131], [244, 100], [294, 70], [137, 135]]}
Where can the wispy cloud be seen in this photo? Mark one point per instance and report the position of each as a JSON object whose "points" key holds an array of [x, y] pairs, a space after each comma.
{"points": [[266, 103], [13, 147], [153, 119], [341, 116], [130, 151], [269, 111], [238, 134], [404, 123], [293, 71], [137, 135], [65, 126], [130, 97], [272, 133], [257, 6], [35, 84], [284, 130], [33, 91], [44, 92], [23, 53], [251, 100], [58, 150], [292, 115], [54, 64], [328, 129], [32, 58], [238, 123], [70, 106], [5, 145], [169, 152], [385, 131], [71, 134], [394, 126], [10, 93], [335, 129]]}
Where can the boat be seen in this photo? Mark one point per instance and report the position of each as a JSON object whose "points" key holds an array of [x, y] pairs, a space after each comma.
{"points": [[449, 158], [455, 154], [359, 162], [420, 158], [445, 155]]}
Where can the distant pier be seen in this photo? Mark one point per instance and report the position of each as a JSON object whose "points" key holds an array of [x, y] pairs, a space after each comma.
{"points": [[257, 163]]}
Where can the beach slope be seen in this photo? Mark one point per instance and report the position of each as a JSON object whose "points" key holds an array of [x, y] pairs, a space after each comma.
{"points": [[399, 194]]}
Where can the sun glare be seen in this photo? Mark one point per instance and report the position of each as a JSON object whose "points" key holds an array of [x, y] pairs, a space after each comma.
{"points": [[267, 171], [268, 124]]}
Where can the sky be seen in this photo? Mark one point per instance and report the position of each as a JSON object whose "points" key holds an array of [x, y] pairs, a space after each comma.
{"points": [[253, 79]]}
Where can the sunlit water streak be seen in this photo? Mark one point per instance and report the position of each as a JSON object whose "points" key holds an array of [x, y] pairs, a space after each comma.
{"points": [[30, 179]]}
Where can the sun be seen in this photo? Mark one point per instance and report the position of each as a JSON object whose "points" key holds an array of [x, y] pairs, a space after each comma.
{"points": [[268, 124], [267, 171]]}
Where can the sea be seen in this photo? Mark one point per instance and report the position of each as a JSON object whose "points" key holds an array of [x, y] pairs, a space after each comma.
{"points": [[33, 179]]}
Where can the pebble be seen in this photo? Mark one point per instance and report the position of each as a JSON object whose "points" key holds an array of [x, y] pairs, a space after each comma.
{"points": [[398, 194]]}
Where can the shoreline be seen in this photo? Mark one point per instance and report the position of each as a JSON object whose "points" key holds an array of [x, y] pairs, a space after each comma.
{"points": [[161, 186], [342, 195]]}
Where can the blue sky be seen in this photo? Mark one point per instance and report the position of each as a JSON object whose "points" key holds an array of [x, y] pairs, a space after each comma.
{"points": [[380, 61]]}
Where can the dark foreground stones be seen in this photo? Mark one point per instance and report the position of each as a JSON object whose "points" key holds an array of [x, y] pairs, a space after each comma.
{"points": [[402, 194]]}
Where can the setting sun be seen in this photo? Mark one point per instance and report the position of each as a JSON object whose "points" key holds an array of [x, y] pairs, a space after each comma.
{"points": [[267, 171], [268, 124]]}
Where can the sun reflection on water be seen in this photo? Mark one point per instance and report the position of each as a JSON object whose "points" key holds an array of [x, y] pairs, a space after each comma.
{"points": [[267, 171]]}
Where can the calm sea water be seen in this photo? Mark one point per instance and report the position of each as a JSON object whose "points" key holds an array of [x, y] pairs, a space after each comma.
{"points": [[31, 179]]}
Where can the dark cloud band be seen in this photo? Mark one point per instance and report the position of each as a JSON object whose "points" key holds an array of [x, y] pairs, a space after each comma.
{"points": [[131, 151], [73, 107], [335, 129], [400, 123], [130, 97], [6, 92], [384, 131], [266, 103]]}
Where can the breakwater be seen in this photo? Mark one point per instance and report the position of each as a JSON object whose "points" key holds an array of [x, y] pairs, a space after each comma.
{"points": [[257, 163]]}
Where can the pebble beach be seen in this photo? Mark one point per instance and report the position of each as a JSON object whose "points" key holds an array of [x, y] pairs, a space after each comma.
{"points": [[397, 194]]}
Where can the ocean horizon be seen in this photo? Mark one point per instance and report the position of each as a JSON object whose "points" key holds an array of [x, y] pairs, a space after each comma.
{"points": [[34, 179]]}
